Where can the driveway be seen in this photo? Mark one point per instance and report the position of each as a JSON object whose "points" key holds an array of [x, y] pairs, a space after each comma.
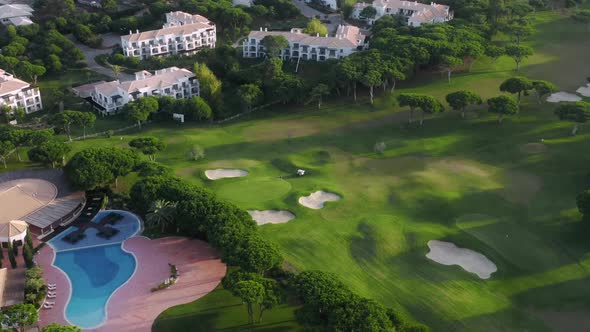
{"points": [[334, 19], [110, 40]]}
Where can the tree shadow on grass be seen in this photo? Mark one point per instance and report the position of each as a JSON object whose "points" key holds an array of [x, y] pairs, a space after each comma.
{"points": [[363, 247]]}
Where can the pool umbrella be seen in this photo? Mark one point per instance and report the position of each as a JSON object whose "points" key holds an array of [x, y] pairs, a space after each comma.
{"points": [[14, 230]]}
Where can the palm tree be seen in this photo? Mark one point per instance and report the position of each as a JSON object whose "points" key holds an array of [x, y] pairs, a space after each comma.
{"points": [[116, 70], [161, 213]]}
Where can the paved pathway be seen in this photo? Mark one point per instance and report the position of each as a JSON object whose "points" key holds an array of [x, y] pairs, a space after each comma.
{"points": [[307, 11], [109, 40], [133, 307]]}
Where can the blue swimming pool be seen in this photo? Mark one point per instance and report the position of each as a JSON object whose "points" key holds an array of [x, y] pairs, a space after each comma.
{"points": [[96, 268]]}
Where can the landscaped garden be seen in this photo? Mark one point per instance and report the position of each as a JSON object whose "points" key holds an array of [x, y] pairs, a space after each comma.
{"points": [[505, 191]]}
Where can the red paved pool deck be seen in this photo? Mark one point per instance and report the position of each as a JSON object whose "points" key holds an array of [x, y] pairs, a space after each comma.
{"points": [[133, 307]]}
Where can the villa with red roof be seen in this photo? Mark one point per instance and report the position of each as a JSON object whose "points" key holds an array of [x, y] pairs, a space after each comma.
{"points": [[110, 97], [181, 34], [348, 39], [415, 13]]}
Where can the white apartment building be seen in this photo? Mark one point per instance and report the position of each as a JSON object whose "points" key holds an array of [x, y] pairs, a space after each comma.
{"points": [[413, 12], [16, 93], [16, 14], [181, 34], [348, 39], [109, 97]]}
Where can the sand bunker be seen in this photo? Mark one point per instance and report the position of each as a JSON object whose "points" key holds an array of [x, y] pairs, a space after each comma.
{"points": [[317, 199], [563, 96], [447, 253], [533, 148], [216, 174], [271, 216], [584, 90]]}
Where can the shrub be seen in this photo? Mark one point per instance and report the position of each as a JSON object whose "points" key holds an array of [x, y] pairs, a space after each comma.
{"points": [[11, 256], [28, 256]]}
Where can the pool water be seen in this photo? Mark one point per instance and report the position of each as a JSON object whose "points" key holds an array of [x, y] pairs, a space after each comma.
{"points": [[96, 268]]}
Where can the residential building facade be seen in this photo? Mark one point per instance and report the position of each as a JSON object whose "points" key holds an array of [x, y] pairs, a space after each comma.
{"points": [[17, 93], [181, 34], [413, 13], [348, 39], [16, 14], [109, 97]]}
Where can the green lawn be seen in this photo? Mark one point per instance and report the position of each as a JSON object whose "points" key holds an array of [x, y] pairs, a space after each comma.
{"points": [[471, 182], [219, 310]]}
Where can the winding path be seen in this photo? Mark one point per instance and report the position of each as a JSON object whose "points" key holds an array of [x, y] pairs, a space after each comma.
{"points": [[133, 307]]}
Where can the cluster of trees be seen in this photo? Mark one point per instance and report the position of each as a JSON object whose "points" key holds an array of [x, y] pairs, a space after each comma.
{"points": [[44, 147], [35, 289], [64, 120], [29, 51], [199, 213], [19, 317], [328, 304], [195, 108], [578, 113], [97, 167]]}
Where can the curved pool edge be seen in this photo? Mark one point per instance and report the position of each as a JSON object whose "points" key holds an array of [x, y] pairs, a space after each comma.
{"points": [[199, 264], [70, 287], [47, 316]]}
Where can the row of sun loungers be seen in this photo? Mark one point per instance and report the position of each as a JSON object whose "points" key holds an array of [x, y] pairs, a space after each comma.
{"points": [[51, 294]]}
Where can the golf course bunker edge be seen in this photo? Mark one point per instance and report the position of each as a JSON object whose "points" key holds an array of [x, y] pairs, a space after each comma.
{"points": [[448, 253], [263, 217], [317, 199], [222, 173]]}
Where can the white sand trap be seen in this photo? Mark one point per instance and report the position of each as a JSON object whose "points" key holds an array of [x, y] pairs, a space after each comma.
{"points": [[584, 90], [220, 173], [563, 96], [271, 216], [447, 253], [317, 199]]}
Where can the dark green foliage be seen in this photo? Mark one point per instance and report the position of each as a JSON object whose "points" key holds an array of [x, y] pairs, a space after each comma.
{"points": [[519, 85], [28, 256], [258, 255], [96, 167], [15, 248], [11, 256], [22, 315], [50, 152], [29, 240], [578, 112], [460, 100], [328, 303], [149, 146], [55, 327], [502, 105]]}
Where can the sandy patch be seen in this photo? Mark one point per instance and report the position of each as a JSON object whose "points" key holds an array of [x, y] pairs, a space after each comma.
{"points": [[461, 166], [216, 174], [584, 90], [447, 253], [186, 172], [563, 96], [271, 216], [317, 199], [520, 187], [533, 148]]}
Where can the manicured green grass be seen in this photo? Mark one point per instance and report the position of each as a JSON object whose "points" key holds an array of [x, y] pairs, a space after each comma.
{"points": [[471, 182], [219, 310]]}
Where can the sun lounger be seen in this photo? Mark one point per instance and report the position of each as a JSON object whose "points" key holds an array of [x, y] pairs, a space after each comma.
{"points": [[51, 293], [47, 306], [49, 303], [51, 285]]}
